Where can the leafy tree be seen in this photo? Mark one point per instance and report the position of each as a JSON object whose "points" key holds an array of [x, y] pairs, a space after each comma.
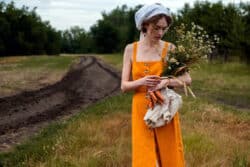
{"points": [[105, 36], [23, 32], [224, 21], [76, 40], [245, 7]]}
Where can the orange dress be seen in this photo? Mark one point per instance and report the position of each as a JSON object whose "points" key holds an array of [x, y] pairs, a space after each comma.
{"points": [[168, 137]]}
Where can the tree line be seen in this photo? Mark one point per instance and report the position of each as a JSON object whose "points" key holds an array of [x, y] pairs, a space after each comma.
{"points": [[22, 32]]}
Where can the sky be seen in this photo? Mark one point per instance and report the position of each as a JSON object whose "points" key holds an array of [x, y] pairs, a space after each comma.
{"points": [[63, 14]]}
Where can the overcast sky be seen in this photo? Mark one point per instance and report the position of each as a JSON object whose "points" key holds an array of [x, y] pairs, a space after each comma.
{"points": [[63, 14]]}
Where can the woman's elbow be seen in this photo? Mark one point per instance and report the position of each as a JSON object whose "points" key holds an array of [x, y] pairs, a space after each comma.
{"points": [[123, 89]]}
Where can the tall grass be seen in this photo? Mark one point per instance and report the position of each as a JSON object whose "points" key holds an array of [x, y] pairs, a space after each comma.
{"points": [[215, 132], [224, 83]]}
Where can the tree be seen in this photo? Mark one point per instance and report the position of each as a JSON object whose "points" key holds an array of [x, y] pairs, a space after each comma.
{"points": [[76, 40], [224, 21], [23, 32], [245, 7], [105, 36]]}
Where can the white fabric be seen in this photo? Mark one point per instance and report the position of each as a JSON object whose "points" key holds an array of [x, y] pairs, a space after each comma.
{"points": [[141, 36], [162, 114], [148, 11]]}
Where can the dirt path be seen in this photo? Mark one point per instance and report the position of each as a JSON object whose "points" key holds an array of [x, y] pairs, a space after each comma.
{"points": [[24, 114]]}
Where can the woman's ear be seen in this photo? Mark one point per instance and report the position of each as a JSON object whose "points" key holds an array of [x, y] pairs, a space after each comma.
{"points": [[144, 27]]}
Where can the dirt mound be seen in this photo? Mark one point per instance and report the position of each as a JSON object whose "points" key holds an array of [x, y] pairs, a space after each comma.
{"points": [[86, 82]]}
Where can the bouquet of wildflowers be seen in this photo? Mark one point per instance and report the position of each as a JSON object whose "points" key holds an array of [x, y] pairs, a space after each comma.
{"points": [[192, 47]]}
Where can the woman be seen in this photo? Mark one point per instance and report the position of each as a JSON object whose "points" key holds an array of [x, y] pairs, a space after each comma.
{"points": [[143, 60]]}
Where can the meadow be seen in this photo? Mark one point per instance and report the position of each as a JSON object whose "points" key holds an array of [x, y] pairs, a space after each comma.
{"points": [[20, 73], [215, 125]]}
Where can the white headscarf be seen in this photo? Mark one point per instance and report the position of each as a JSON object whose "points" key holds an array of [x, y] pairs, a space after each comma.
{"points": [[148, 11]]}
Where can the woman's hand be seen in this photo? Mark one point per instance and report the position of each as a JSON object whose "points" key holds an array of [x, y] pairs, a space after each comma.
{"points": [[163, 83], [174, 82], [150, 80]]}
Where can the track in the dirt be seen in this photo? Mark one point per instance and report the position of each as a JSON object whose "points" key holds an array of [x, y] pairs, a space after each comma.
{"points": [[85, 83]]}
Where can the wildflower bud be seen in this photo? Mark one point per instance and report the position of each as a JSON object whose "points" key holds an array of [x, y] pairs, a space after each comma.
{"points": [[181, 48], [172, 60]]}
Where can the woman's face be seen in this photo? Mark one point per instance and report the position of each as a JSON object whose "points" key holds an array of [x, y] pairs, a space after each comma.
{"points": [[155, 31]]}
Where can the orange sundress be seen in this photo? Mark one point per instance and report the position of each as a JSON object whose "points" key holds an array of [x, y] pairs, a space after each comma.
{"points": [[168, 137]]}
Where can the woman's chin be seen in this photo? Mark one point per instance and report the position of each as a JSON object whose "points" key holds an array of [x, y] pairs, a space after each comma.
{"points": [[157, 39]]}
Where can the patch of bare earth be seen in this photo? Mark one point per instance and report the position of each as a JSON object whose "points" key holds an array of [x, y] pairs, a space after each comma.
{"points": [[24, 114]]}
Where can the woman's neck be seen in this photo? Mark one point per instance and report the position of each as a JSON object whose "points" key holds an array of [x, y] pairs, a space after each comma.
{"points": [[150, 43]]}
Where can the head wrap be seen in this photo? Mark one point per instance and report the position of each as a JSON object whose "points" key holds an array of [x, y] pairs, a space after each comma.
{"points": [[148, 11]]}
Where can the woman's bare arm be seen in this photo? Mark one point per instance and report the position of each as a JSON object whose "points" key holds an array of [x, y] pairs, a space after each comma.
{"points": [[126, 84], [186, 78], [173, 82]]}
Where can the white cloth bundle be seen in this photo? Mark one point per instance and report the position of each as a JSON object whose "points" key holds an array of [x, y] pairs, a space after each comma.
{"points": [[148, 11], [162, 114]]}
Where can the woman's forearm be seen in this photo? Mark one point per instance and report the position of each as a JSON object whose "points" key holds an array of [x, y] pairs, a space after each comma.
{"points": [[185, 78], [130, 85]]}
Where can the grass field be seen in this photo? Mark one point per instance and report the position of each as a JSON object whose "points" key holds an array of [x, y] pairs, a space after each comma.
{"points": [[31, 72], [215, 126]]}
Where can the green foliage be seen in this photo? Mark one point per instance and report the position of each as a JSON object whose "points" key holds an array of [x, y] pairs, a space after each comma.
{"points": [[23, 32], [245, 7], [115, 30], [229, 22], [105, 37], [76, 40], [225, 21]]}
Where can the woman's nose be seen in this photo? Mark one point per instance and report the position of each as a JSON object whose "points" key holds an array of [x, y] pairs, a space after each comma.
{"points": [[160, 32]]}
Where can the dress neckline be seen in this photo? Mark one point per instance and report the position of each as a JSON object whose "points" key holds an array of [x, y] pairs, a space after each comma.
{"points": [[153, 61], [163, 54]]}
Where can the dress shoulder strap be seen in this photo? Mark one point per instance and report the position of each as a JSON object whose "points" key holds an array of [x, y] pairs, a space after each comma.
{"points": [[134, 51], [165, 51]]}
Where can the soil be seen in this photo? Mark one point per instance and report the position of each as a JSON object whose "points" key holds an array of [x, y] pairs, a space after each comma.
{"points": [[26, 113]]}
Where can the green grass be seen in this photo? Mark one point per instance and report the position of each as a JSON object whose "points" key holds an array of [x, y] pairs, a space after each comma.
{"points": [[54, 62], [49, 62], [42, 147], [198, 146], [20, 73], [113, 59], [215, 132], [212, 133], [224, 83]]}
